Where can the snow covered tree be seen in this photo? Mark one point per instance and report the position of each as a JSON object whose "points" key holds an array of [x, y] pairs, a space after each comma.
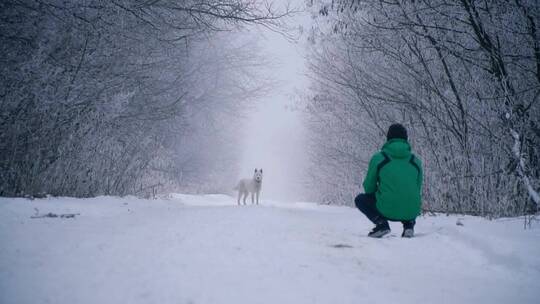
{"points": [[102, 97], [463, 76]]}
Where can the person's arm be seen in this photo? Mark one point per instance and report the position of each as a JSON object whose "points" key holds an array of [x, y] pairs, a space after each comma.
{"points": [[370, 182]]}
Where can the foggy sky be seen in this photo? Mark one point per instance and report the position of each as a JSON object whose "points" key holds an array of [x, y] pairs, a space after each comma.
{"points": [[274, 139]]}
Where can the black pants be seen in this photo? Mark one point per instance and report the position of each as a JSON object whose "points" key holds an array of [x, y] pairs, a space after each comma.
{"points": [[366, 204]]}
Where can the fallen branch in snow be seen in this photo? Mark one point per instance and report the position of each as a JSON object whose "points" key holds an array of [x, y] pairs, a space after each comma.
{"points": [[34, 196], [50, 214]]}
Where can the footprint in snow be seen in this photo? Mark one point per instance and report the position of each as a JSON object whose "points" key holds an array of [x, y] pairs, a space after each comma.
{"points": [[341, 246]]}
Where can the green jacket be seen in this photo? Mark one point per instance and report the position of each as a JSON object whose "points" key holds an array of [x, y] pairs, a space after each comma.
{"points": [[395, 176]]}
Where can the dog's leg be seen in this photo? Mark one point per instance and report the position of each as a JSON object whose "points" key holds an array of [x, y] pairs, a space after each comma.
{"points": [[245, 197], [239, 196], [258, 197], [252, 198]]}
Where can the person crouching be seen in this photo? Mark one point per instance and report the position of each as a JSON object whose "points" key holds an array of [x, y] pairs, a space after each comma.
{"points": [[393, 185]]}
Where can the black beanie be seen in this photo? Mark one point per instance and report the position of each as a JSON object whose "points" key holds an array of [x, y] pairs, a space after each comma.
{"points": [[396, 131]]}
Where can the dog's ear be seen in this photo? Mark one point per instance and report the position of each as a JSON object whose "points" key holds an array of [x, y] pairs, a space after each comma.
{"points": [[261, 170]]}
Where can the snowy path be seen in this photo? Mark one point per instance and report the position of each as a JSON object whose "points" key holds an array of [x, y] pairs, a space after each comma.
{"points": [[195, 249]]}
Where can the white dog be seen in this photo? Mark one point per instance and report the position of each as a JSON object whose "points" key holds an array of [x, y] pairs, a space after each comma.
{"points": [[250, 185]]}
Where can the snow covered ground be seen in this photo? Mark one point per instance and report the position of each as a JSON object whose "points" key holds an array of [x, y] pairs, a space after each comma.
{"points": [[204, 249]]}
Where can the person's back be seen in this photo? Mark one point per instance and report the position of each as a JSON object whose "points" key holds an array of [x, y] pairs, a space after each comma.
{"points": [[392, 185]]}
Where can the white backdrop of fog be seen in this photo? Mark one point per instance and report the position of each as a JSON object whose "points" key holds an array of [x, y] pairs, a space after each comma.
{"points": [[273, 133]]}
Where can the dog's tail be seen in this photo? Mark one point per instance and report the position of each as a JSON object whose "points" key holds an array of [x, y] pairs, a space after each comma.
{"points": [[237, 187]]}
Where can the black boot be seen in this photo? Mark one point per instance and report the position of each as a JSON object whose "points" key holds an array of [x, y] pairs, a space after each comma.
{"points": [[408, 233], [380, 230], [408, 229]]}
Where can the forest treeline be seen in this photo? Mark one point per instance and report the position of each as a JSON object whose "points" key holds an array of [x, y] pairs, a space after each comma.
{"points": [[123, 97], [119, 97], [463, 76]]}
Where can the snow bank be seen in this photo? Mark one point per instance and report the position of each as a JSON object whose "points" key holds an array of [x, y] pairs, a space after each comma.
{"points": [[205, 249]]}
